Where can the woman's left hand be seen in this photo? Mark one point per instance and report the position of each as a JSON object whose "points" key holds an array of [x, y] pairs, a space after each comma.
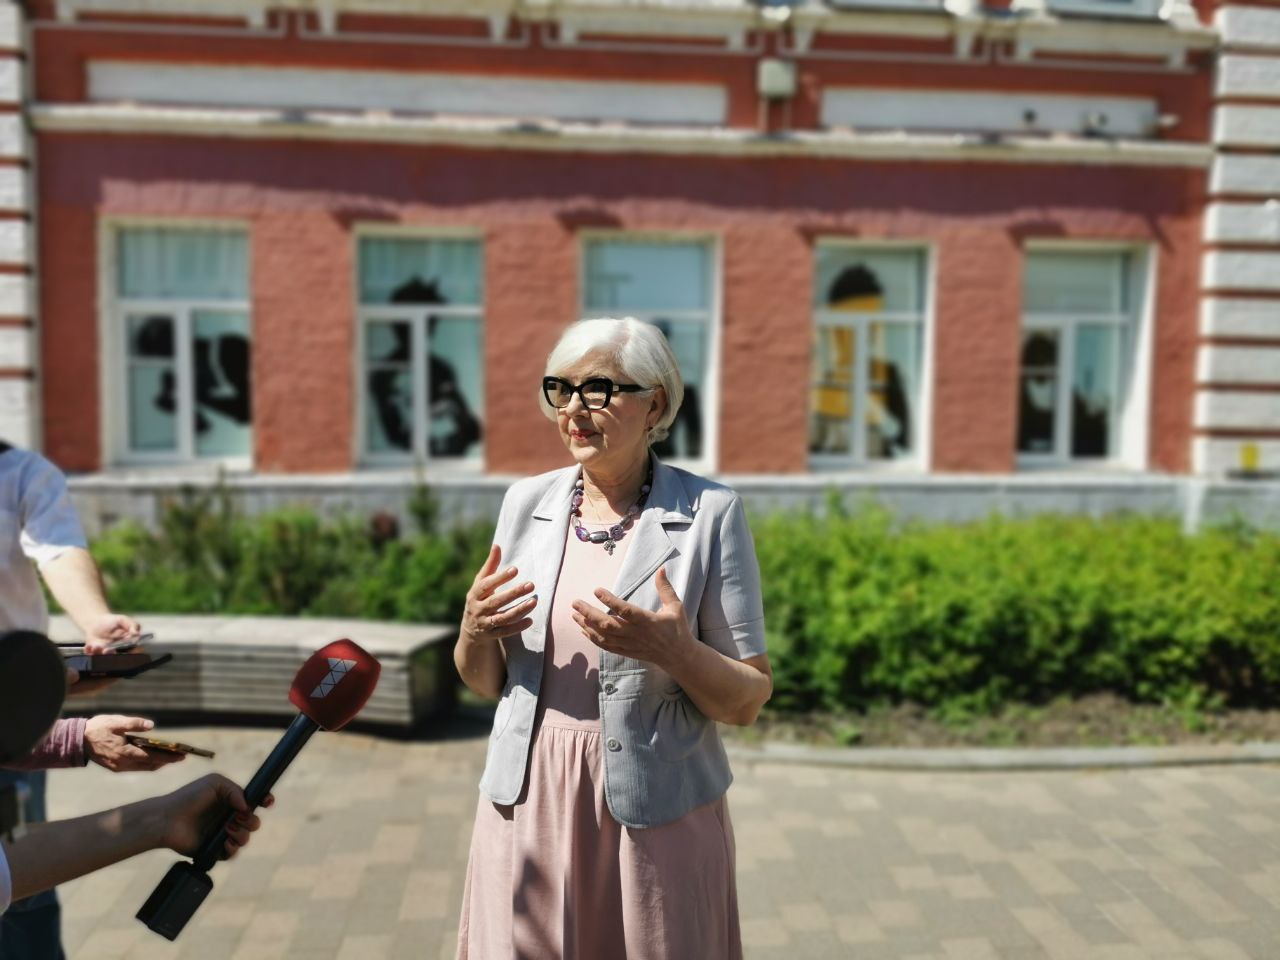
{"points": [[632, 631]]}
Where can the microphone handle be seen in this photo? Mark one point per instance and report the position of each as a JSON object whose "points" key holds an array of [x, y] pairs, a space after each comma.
{"points": [[294, 739]]}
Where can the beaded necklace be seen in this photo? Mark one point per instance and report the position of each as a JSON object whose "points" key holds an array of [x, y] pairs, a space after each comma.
{"points": [[609, 538]]}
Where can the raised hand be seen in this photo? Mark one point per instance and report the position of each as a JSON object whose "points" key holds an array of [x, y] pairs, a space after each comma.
{"points": [[631, 631], [492, 613]]}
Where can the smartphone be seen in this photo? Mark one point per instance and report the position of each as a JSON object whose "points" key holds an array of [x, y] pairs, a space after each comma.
{"points": [[115, 646], [168, 746], [100, 665], [128, 643]]}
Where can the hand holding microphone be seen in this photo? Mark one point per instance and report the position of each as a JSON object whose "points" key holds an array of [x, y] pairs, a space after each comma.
{"points": [[329, 690]]}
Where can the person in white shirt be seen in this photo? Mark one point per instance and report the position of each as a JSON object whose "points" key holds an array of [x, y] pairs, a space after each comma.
{"points": [[41, 537]]}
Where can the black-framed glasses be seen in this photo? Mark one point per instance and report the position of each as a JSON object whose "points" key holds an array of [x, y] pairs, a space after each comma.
{"points": [[595, 393]]}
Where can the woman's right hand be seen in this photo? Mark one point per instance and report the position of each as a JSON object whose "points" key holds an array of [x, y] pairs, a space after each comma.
{"points": [[492, 613]]}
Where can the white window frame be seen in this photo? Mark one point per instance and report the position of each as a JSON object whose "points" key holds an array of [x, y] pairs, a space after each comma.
{"points": [[1129, 431], [921, 454], [420, 372], [113, 341], [1138, 9], [712, 316]]}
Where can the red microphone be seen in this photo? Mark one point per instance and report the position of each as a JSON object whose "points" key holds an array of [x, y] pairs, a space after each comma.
{"points": [[329, 690]]}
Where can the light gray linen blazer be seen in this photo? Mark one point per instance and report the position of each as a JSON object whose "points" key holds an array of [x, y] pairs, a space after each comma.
{"points": [[662, 755]]}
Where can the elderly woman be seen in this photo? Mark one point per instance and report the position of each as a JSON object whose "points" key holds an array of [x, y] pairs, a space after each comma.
{"points": [[617, 616]]}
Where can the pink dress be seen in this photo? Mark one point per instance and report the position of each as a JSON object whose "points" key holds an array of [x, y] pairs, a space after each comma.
{"points": [[555, 875]]}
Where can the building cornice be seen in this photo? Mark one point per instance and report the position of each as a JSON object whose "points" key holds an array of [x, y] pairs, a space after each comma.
{"points": [[499, 133], [1032, 29]]}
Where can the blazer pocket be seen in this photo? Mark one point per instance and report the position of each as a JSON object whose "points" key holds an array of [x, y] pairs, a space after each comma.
{"points": [[678, 727]]}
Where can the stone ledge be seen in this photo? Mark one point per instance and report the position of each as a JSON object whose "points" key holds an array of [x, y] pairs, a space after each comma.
{"points": [[1004, 759], [245, 665]]}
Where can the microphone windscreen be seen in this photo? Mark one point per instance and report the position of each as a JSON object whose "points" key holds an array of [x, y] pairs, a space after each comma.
{"points": [[335, 684], [33, 683]]}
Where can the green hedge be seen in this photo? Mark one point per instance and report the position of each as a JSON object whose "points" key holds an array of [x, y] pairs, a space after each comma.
{"points": [[861, 610], [207, 558], [970, 617]]}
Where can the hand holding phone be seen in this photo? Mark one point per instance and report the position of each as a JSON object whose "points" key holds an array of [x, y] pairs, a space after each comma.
{"points": [[129, 643]]}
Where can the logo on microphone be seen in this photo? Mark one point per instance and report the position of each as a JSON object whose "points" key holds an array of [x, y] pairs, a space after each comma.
{"points": [[337, 670]]}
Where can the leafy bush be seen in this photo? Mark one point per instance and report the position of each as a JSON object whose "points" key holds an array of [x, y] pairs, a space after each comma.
{"points": [[207, 558], [861, 610]]}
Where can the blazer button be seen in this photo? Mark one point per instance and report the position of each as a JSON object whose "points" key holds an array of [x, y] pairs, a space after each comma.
{"points": [[609, 688], [613, 744]]}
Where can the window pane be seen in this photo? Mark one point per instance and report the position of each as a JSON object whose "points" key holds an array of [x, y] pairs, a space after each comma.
{"points": [[1075, 283], [893, 365], [870, 281], [165, 263], [688, 341], [456, 379], [832, 396], [411, 270], [624, 275], [389, 382], [152, 390], [1093, 390], [223, 409], [1038, 393]]}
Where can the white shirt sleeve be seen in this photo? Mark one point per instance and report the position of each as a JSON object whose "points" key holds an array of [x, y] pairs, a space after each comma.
{"points": [[50, 524], [6, 882]]}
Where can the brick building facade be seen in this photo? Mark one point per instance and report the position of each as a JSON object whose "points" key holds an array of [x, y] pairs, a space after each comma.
{"points": [[910, 237]]}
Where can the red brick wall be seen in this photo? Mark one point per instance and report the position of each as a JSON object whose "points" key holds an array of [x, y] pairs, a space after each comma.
{"points": [[301, 200]]}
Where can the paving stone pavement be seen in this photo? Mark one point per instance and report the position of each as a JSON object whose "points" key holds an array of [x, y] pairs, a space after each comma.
{"points": [[364, 856]]}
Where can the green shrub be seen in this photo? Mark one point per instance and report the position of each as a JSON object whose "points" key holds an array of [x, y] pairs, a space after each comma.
{"points": [[207, 558], [966, 618], [861, 610]]}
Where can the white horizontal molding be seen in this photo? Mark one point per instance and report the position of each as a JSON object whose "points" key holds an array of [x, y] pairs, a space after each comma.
{"points": [[16, 351], [1243, 365], [912, 20], [660, 22], [1223, 317], [422, 93], [11, 80], [1249, 26], [1242, 222], [15, 295], [1237, 270], [253, 12], [1236, 126], [13, 136], [1099, 36], [11, 26], [1245, 76], [1217, 455], [13, 188], [15, 242], [606, 138], [17, 412], [877, 108], [1237, 411], [1246, 174]]}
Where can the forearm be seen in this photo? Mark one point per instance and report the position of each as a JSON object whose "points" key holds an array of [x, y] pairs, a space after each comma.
{"points": [[481, 664], [63, 746], [76, 584], [53, 853], [727, 690]]}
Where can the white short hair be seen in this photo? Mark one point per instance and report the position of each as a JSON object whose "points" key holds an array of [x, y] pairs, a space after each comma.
{"points": [[637, 348]]}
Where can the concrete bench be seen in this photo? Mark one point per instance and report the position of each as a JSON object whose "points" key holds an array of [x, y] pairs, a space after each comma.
{"points": [[245, 665]]}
